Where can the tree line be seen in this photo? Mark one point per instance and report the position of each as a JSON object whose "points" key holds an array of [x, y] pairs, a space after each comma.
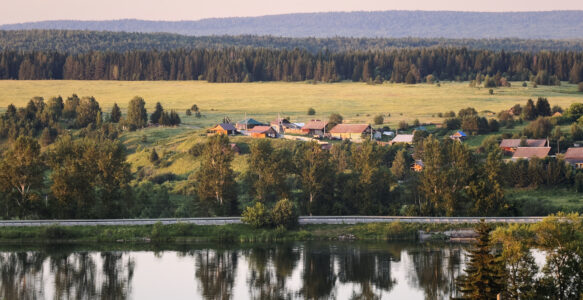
{"points": [[81, 41], [260, 64]]}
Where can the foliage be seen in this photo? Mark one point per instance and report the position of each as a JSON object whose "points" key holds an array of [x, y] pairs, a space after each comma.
{"points": [[379, 120], [284, 214], [137, 116], [311, 111], [257, 216]]}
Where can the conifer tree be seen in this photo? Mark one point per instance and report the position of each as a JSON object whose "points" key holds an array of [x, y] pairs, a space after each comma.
{"points": [[115, 114], [484, 272]]}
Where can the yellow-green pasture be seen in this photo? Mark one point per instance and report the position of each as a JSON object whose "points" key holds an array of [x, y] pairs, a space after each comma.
{"points": [[357, 102]]}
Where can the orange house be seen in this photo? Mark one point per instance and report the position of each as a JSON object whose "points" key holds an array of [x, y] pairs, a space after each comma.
{"points": [[223, 128], [262, 132]]}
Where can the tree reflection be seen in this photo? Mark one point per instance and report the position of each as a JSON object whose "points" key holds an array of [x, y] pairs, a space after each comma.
{"points": [[215, 269], [436, 270], [318, 274], [269, 269], [21, 275], [372, 270]]}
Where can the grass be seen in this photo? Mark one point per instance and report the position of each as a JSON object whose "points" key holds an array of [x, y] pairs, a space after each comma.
{"points": [[357, 102], [182, 232], [547, 200]]}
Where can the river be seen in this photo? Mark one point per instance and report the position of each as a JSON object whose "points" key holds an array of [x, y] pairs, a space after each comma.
{"points": [[314, 270]]}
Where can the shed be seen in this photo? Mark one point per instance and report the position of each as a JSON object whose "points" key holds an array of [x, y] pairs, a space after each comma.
{"points": [[403, 138]]}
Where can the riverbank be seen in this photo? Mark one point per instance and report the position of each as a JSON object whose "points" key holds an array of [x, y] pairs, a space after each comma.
{"points": [[182, 232]]}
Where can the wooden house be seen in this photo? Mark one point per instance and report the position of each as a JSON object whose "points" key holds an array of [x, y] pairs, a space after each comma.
{"points": [[418, 166], [248, 123], [459, 136], [510, 145], [315, 127], [530, 152], [574, 156], [262, 132], [223, 128], [353, 132]]}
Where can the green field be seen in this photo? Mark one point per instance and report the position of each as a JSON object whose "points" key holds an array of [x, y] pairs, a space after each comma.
{"points": [[357, 102]]}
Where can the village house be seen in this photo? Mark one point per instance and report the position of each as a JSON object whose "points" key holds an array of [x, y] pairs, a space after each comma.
{"points": [[574, 156], [530, 152], [248, 124], [262, 132], [223, 128], [418, 166], [402, 138], [510, 145], [459, 136], [353, 132], [315, 127]]}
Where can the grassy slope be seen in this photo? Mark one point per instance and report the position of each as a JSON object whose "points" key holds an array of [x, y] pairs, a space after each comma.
{"points": [[263, 100]]}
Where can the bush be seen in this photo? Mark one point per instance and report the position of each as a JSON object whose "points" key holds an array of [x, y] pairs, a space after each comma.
{"points": [[57, 232], [311, 111], [161, 178], [403, 125], [379, 120], [257, 216], [284, 214]]}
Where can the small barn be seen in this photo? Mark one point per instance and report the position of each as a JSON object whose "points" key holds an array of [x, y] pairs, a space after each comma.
{"points": [[315, 127], [353, 132], [530, 152], [574, 156], [262, 132], [223, 128]]}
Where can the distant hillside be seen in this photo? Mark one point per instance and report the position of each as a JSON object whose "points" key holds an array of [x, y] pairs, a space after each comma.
{"points": [[393, 24], [75, 41]]}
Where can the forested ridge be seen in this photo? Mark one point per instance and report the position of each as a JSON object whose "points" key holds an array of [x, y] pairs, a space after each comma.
{"points": [[427, 24], [260, 64], [79, 41]]}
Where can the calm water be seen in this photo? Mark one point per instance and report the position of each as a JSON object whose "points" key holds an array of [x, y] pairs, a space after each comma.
{"points": [[341, 270]]}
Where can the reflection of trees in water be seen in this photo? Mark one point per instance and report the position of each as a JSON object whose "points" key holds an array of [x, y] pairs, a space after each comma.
{"points": [[436, 270], [269, 269], [372, 270], [75, 275], [21, 275], [318, 274], [215, 269]]}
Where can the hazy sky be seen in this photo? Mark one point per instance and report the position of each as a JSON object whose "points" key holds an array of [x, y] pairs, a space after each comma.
{"points": [[15, 11]]}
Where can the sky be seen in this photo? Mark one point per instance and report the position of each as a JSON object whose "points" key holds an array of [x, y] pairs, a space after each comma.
{"points": [[17, 11]]}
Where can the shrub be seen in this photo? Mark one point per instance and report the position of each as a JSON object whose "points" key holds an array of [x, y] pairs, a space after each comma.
{"points": [[157, 231], [491, 91], [311, 111], [284, 214], [161, 178], [403, 125], [257, 216], [379, 119], [57, 232]]}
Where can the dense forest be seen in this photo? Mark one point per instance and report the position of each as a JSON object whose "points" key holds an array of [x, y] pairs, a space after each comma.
{"points": [[259, 64], [75, 41], [426, 24]]}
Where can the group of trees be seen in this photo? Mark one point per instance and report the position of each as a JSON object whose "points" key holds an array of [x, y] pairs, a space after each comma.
{"points": [[469, 121], [82, 41], [501, 261], [262, 64], [162, 117]]}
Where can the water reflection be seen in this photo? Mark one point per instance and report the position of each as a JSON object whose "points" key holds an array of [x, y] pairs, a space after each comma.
{"points": [[275, 271]]}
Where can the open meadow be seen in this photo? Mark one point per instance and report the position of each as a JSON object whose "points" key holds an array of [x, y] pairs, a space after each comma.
{"points": [[357, 102]]}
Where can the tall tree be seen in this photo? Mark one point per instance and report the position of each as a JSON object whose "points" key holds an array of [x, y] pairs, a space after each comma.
{"points": [[484, 271], [157, 114], [215, 180], [137, 115], [115, 115], [317, 177]]}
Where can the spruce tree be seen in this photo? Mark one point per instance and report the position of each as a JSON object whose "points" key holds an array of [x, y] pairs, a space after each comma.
{"points": [[115, 114], [157, 114], [484, 278]]}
